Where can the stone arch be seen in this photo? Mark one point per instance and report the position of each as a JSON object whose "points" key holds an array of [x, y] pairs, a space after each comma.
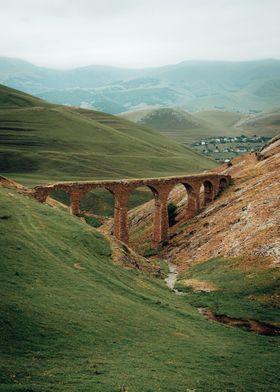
{"points": [[176, 203], [193, 204], [223, 183], [151, 209], [97, 201], [152, 188], [60, 194], [185, 197], [207, 192]]}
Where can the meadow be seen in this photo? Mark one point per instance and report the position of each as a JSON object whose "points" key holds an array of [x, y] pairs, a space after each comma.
{"points": [[73, 320]]}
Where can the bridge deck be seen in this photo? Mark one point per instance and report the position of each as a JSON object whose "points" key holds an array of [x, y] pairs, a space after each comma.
{"points": [[138, 181]]}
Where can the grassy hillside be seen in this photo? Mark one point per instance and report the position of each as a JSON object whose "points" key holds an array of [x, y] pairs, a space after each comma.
{"points": [[237, 294], [220, 122], [42, 143], [262, 124], [186, 127], [71, 320]]}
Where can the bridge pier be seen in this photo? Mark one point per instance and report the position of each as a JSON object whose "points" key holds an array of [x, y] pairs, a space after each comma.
{"points": [[160, 232], [121, 196], [161, 225], [41, 194], [75, 198], [193, 203]]}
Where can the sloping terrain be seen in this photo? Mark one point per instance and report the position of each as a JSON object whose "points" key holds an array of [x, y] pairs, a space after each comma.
{"points": [[244, 221], [267, 123], [186, 127], [228, 256], [246, 87], [42, 143], [72, 320]]}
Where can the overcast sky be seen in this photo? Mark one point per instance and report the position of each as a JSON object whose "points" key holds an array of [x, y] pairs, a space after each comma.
{"points": [[132, 33]]}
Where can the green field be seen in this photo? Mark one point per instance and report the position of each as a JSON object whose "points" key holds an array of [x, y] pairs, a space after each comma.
{"points": [[72, 320]]}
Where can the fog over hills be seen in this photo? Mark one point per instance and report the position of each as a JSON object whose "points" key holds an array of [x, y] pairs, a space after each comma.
{"points": [[248, 87]]}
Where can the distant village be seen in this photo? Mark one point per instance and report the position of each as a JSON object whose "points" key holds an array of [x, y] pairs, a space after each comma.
{"points": [[225, 147]]}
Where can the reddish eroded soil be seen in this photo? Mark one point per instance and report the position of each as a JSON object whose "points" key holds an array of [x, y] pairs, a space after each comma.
{"points": [[243, 221], [255, 326]]}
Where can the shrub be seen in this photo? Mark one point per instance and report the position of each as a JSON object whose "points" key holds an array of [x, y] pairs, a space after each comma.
{"points": [[172, 214]]}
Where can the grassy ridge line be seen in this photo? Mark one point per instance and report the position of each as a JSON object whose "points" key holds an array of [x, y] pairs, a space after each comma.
{"points": [[71, 320], [11, 98]]}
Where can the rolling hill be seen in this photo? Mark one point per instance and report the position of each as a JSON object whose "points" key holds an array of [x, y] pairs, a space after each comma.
{"points": [[73, 320], [187, 127], [267, 123], [247, 87], [41, 142]]}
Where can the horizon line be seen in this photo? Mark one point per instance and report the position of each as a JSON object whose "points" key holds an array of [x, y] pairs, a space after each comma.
{"points": [[139, 68]]}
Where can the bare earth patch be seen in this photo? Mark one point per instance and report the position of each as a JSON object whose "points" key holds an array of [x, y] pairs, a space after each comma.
{"points": [[198, 285]]}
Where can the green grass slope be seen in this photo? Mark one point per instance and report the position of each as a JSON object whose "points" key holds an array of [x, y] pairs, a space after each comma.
{"points": [[267, 124], [186, 127], [42, 143], [220, 122], [10, 98], [71, 320], [244, 290]]}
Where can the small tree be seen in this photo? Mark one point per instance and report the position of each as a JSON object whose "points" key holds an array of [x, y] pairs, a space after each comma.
{"points": [[172, 214]]}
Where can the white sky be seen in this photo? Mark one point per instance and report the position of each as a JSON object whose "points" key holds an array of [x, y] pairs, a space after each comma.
{"points": [[132, 33]]}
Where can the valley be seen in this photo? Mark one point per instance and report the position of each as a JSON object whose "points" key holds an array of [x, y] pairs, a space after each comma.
{"points": [[83, 311], [76, 319], [139, 196]]}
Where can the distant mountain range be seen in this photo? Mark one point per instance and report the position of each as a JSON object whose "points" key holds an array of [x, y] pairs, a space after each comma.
{"points": [[246, 87]]}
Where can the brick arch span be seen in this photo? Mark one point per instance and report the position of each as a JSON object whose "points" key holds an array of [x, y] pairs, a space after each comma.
{"points": [[122, 189], [209, 191], [193, 202]]}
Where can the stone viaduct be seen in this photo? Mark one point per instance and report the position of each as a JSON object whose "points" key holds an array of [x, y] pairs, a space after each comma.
{"points": [[210, 184]]}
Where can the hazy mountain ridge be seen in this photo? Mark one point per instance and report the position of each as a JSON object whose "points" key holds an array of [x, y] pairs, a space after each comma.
{"points": [[192, 85]]}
